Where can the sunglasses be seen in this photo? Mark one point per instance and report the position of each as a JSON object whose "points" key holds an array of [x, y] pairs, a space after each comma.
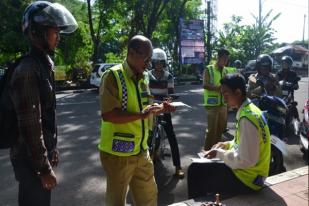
{"points": [[162, 62]]}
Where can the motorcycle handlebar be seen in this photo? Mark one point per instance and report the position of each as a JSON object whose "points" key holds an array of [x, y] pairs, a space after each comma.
{"points": [[285, 85]]}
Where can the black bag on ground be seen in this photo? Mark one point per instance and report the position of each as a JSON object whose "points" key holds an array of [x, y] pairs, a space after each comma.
{"points": [[8, 119]]}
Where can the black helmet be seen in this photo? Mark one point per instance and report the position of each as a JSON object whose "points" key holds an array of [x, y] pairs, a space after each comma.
{"points": [[287, 59], [264, 61], [44, 13], [237, 63], [222, 52]]}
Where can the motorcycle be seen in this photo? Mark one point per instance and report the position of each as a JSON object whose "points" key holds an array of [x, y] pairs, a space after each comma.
{"points": [[302, 131], [274, 109], [292, 115]]}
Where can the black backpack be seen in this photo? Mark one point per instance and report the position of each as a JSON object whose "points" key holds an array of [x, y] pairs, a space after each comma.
{"points": [[8, 119]]}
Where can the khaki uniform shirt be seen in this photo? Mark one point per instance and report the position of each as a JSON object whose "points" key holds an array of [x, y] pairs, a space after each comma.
{"points": [[109, 98]]}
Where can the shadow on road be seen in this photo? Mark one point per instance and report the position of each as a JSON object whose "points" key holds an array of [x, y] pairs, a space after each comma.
{"points": [[166, 183]]}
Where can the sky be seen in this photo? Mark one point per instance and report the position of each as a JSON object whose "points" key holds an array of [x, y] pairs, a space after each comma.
{"points": [[289, 25]]}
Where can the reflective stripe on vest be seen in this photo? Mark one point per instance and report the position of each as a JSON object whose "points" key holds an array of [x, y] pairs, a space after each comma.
{"points": [[229, 70], [254, 176], [124, 99], [128, 138]]}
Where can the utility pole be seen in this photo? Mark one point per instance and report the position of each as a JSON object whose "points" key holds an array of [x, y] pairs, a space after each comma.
{"points": [[258, 49], [307, 45], [304, 29], [208, 32], [260, 14]]}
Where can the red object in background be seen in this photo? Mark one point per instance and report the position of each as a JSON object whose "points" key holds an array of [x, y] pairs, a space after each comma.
{"points": [[306, 117]]}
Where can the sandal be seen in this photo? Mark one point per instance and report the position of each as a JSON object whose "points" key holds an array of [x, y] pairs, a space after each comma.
{"points": [[179, 173]]}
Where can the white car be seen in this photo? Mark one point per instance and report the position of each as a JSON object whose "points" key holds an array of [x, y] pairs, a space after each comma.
{"points": [[97, 72]]}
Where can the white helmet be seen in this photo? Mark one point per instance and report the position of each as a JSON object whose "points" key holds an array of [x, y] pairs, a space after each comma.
{"points": [[159, 54]]}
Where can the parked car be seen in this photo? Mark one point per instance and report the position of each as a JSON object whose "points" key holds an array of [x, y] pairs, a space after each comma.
{"points": [[97, 72]]}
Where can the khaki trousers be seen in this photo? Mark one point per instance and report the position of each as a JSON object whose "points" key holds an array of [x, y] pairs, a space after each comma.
{"points": [[135, 171], [217, 121]]}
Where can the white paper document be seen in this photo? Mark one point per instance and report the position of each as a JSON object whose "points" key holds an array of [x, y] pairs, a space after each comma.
{"points": [[202, 159], [179, 104]]}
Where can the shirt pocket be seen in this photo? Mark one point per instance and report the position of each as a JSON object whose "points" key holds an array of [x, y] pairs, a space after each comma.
{"points": [[123, 142], [212, 100]]}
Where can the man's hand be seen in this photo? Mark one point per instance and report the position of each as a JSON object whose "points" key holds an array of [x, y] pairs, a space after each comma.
{"points": [[210, 154], [220, 145], [55, 158], [158, 109], [167, 107], [49, 181], [153, 108], [270, 85]]}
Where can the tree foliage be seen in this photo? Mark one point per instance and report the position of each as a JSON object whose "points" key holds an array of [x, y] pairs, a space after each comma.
{"points": [[246, 42], [145, 15], [102, 15], [11, 38], [105, 26]]}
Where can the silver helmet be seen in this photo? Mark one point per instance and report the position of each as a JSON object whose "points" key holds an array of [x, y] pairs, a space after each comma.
{"points": [[44, 13]]}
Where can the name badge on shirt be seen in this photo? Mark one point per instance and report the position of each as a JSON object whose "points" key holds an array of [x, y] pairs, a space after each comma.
{"points": [[212, 100], [123, 146]]}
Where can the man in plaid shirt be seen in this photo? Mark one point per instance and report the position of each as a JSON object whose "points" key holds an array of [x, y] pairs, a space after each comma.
{"points": [[33, 95]]}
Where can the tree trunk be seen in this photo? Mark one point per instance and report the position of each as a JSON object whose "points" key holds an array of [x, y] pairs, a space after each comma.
{"points": [[94, 37]]}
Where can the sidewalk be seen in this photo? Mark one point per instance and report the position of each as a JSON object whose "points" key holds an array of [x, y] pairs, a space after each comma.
{"points": [[285, 189]]}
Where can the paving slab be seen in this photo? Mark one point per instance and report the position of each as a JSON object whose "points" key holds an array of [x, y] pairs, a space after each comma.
{"points": [[285, 189]]}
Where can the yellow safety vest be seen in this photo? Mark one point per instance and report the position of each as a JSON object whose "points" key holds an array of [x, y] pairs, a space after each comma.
{"points": [[213, 98], [230, 70], [254, 176], [129, 138]]}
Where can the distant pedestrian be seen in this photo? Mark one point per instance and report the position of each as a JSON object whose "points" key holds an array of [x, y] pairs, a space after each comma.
{"points": [[33, 95], [238, 65], [213, 100]]}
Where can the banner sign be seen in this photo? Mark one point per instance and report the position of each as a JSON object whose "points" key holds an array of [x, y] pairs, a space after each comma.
{"points": [[192, 45]]}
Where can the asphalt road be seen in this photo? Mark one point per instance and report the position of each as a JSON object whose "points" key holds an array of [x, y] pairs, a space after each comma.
{"points": [[80, 175]]}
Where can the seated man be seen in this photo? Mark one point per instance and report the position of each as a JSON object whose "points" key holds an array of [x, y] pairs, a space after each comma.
{"points": [[245, 159], [264, 65]]}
